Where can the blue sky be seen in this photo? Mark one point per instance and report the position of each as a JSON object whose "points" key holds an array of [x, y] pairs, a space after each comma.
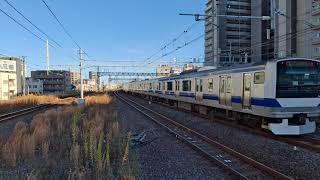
{"points": [[107, 30]]}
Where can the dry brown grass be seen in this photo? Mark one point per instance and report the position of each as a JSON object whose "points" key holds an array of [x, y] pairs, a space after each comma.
{"points": [[98, 100], [29, 101], [88, 141]]}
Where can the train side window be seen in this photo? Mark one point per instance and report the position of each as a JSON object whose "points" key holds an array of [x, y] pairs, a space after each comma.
{"points": [[259, 78], [229, 84], [197, 85], [186, 85], [210, 84], [169, 86], [150, 86], [159, 86], [222, 84]]}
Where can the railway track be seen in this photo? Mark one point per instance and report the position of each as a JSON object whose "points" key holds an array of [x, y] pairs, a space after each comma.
{"points": [[19, 113], [306, 142], [234, 162]]}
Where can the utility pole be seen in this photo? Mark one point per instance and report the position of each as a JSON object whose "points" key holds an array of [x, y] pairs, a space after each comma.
{"points": [[81, 100], [47, 56], [24, 76]]}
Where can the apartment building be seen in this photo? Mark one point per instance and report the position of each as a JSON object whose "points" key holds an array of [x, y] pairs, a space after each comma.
{"points": [[227, 37], [12, 76], [34, 86], [95, 76], [315, 16], [75, 78], [54, 81]]}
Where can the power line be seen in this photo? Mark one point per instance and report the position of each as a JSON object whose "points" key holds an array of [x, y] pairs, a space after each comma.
{"points": [[32, 23], [171, 42], [179, 47], [62, 26], [38, 37]]}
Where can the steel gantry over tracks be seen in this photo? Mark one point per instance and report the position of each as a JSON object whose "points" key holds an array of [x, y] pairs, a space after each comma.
{"points": [[131, 74]]}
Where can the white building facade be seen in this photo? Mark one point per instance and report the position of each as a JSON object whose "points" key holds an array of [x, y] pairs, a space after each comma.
{"points": [[12, 76]]}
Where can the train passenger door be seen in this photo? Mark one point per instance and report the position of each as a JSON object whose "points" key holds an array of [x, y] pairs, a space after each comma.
{"points": [[247, 78], [225, 90], [199, 89], [228, 91], [222, 90], [177, 88]]}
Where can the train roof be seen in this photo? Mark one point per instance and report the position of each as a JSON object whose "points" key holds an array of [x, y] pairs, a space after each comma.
{"points": [[227, 69]]}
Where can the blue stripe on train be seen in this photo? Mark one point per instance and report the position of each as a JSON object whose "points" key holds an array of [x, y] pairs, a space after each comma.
{"points": [[266, 102], [236, 99], [210, 97], [170, 93], [183, 94]]}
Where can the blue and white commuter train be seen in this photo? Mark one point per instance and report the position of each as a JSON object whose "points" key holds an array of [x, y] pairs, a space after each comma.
{"points": [[282, 96]]}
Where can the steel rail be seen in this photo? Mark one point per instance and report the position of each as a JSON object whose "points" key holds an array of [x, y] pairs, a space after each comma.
{"points": [[261, 167], [305, 142], [15, 114]]}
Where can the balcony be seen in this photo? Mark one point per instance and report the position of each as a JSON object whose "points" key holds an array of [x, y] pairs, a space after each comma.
{"points": [[236, 3], [316, 10], [316, 41]]}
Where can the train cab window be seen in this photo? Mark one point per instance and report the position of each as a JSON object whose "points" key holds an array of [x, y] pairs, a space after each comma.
{"points": [[186, 85], [298, 79], [210, 84], [169, 86], [259, 78]]}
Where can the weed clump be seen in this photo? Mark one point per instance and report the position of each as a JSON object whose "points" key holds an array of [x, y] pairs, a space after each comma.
{"points": [[69, 142]]}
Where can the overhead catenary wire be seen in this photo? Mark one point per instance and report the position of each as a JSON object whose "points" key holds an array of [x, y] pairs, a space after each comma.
{"points": [[169, 43], [40, 30], [27, 29], [179, 47], [24, 27], [61, 25]]}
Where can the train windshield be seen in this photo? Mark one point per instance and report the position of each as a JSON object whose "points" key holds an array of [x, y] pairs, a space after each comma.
{"points": [[298, 79]]}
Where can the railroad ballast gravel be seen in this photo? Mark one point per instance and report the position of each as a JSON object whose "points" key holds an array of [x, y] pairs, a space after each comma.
{"points": [[294, 162], [165, 157]]}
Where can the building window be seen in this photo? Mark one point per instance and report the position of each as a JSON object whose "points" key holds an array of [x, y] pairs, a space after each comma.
{"points": [[259, 77], [210, 84]]}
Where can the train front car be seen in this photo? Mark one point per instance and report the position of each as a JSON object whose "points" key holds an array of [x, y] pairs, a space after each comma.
{"points": [[296, 88]]}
